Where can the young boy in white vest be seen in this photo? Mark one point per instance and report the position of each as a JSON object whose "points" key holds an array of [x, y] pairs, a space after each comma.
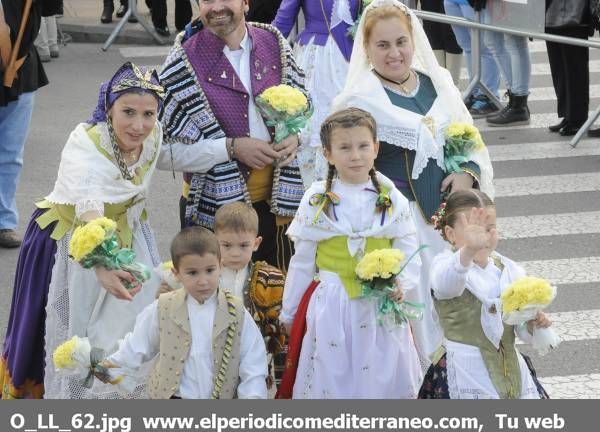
{"points": [[205, 342]]}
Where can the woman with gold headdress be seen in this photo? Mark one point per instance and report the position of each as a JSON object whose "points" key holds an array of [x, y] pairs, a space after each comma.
{"points": [[105, 170]]}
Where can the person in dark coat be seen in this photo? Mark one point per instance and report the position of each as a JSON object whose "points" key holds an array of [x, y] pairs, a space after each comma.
{"points": [[263, 11], [109, 8], [569, 63], [158, 9]]}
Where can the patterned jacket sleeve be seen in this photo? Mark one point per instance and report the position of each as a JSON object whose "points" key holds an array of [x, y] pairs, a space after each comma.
{"points": [[179, 130]]}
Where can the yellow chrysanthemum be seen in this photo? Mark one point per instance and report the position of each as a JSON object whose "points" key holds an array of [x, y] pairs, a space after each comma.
{"points": [[456, 130], [470, 131], [167, 265], [63, 355], [285, 98], [88, 237], [106, 223], [526, 291], [380, 263]]}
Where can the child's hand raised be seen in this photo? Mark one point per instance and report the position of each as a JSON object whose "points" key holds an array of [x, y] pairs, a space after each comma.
{"points": [[475, 234]]}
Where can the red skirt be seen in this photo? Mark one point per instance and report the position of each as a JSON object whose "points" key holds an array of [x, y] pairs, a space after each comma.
{"points": [[286, 388]]}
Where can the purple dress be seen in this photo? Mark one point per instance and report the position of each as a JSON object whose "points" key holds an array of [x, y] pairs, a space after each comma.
{"points": [[22, 361], [323, 51]]}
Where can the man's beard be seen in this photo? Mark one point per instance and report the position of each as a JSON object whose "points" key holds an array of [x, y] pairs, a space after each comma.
{"points": [[224, 28]]}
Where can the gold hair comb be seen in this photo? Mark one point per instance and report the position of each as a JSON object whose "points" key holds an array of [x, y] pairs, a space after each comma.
{"points": [[144, 81]]}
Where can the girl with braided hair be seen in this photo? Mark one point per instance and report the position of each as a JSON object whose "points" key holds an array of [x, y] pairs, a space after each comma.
{"points": [[478, 359], [338, 349]]}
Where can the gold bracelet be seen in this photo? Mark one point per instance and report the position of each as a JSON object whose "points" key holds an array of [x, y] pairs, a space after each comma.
{"points": [[230, 149]]}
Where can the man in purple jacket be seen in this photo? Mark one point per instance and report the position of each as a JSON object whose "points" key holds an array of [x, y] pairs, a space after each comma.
{"points": [[212, 76]]}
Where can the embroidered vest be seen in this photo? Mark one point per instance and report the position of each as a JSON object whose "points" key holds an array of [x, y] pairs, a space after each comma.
{"points": [[176, 338], [333, 256], [460, 318], [200, 104]]}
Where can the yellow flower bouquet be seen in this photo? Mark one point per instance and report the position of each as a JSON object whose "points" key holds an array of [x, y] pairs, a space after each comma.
{"points": [[285, 108], [462, 139], [96, 244], [522, 300], [76, 357], [376, 272]]}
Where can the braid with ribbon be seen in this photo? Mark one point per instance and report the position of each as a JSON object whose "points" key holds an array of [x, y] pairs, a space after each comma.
{"points": [[383, 202], [328, 197]]}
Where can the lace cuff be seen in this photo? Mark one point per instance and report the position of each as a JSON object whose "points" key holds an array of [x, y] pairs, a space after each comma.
{"points": [[84, 206]]}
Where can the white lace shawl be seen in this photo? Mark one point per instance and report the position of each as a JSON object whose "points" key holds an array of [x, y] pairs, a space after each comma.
{"points": [[88, 180], [304, 226]]}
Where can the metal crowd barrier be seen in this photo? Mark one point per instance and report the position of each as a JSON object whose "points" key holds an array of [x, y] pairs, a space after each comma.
{"points": [[476, 58], [132, 10]]}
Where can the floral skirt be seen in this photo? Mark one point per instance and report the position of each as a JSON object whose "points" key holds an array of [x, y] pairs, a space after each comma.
{"points": [[435, 383]]}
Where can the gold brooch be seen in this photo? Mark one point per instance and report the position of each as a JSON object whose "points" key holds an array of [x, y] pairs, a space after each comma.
{"points": [[430, 124]]}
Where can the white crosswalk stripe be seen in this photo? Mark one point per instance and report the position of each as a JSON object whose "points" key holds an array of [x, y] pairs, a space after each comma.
{"points": [[537, 120], [543, 150], [547, 93], [576, 326], [586, 386], [565, 270], [549, 225], [537, 185]]}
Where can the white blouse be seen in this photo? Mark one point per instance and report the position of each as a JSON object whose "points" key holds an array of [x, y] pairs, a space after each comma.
{"points": [[142, 345], [357, 218], [234, 281]]}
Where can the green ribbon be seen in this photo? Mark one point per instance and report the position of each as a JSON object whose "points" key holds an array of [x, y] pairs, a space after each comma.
{"points": [[284, 124], [288, 126], [455, 153], [110, 256], [96, 370], [389, 310]]}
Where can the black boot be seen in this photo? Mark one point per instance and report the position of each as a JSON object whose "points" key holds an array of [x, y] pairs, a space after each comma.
{"points": [[514, 113], [122, 9], [107, 12]]}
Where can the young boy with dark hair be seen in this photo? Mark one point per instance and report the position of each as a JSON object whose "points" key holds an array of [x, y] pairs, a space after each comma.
{"points": [[205, 343]]}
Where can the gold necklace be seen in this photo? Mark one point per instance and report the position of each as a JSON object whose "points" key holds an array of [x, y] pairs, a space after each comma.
{"points": [[130, 156], [400, 83]]}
